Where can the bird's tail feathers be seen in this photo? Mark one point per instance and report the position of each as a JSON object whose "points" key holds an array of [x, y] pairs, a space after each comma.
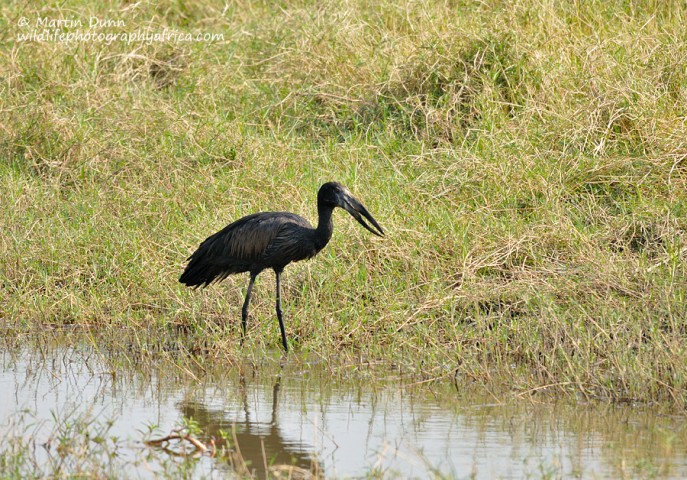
{"points": [[200, 273]]}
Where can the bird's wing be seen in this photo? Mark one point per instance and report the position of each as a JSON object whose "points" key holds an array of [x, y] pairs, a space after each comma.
{"points": [[291, 244], [247, 239]]}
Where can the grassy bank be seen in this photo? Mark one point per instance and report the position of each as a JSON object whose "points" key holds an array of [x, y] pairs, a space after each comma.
{"points": [[526, 159]]}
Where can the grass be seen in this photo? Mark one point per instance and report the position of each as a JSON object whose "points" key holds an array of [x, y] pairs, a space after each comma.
{"points": [[527, 160]]}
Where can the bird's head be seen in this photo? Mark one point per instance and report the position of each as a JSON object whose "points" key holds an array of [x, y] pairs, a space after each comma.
{"points": [[336, 195]]}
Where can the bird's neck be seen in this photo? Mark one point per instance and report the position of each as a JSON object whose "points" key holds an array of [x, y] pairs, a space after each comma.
{"points": [[325, 226]]}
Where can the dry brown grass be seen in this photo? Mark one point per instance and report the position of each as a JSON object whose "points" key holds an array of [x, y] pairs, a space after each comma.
{"points": [[531, 178]]}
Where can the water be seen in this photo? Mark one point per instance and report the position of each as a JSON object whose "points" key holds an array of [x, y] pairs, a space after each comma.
{"points": [[67, 411]]}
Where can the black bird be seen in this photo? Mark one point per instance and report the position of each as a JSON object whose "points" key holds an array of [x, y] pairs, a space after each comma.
{"points": [[271, 240]]}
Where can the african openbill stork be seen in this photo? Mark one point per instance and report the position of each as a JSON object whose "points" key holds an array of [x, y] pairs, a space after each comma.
{"points": [[271, 240]]}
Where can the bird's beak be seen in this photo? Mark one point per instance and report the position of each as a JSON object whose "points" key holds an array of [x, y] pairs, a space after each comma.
{"points": [[358, 211]]}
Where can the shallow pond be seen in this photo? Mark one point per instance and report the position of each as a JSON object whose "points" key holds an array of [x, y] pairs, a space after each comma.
{"points": [[67, 411]]}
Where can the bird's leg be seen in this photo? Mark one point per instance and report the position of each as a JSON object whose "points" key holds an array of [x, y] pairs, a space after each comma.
{"points": [[279, 313], [244, 310]]}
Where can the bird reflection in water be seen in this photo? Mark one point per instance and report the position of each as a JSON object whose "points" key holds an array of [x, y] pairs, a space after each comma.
{"points": [[255, 448]]}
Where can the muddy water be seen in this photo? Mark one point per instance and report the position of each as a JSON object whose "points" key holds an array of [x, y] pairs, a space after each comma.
{"points": [[66, 411]]}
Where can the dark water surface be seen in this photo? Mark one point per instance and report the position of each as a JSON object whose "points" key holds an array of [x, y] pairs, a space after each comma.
{"points": [[68, 410]]}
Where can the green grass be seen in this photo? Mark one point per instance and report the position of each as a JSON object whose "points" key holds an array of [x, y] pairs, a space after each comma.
{"points": [[527, 160]]}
